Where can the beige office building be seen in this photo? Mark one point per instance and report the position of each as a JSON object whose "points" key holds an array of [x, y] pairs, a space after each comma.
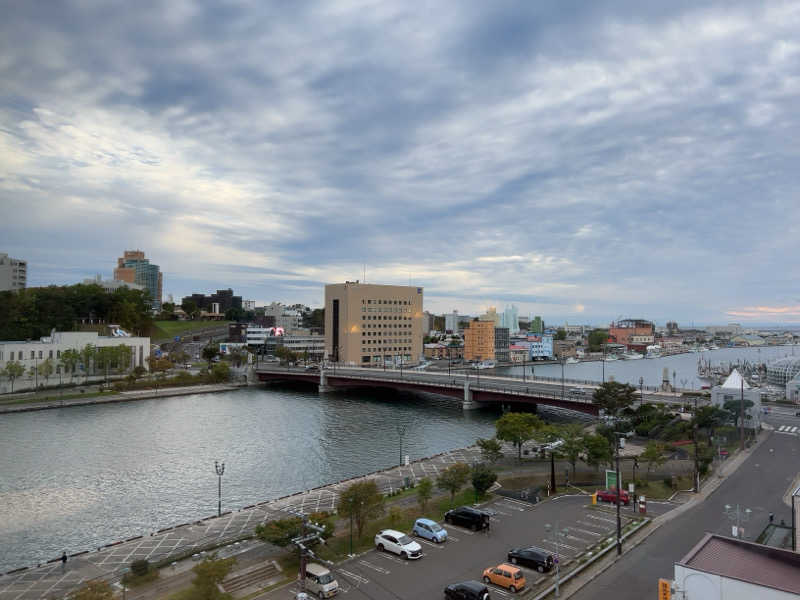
{"points": [[369, 324], [479, 340], [13, 273]]}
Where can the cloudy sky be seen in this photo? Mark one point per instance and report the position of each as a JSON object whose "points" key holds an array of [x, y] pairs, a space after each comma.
{"points": [[584, 160]]}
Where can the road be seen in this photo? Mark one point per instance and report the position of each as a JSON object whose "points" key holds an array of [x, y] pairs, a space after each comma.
{"points": [[758, 484]]}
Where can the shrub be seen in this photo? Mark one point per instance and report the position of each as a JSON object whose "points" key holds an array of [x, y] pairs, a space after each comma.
{"points": [[280, 532], [140, 567]]}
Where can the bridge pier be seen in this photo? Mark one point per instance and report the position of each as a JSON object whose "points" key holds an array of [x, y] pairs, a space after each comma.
{"points": [[323, 382], [469, 403]]}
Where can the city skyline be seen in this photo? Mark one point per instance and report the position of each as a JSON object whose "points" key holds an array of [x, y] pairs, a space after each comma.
{"points": [[617, 160]]}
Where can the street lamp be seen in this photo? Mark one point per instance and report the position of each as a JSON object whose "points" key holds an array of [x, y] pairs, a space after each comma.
{"points": [[619, 442], [641, 389], [556, 535], [562, 360], [738, 515], [220, 469]]}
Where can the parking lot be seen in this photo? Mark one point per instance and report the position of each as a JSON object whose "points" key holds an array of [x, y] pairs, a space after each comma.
{"points": [[377, 575]]}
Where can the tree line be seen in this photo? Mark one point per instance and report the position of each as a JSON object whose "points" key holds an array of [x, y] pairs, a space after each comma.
{"points": [[32, 313]]}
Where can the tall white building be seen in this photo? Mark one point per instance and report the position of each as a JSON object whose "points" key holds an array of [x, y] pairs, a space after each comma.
{"points": [[13, 273], [510, 319], [111, 285], [451, 321]]}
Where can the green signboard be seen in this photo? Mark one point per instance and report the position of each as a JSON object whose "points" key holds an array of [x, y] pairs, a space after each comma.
{"points": [[611, 479]]}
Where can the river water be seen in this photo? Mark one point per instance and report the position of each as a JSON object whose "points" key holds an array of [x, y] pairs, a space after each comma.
{"points": [[77, 478]]}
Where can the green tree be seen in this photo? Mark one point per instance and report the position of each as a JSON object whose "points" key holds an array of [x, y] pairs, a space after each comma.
{"points": [[574, 443], [561, 334], [190, 308], [517, 428], [208, 574], [613, 396], [597, 339], [734, 408], [46, 369], [424, 492], [482, 479], [280, 532], [12, 371], [70, 359], [653, 455], [87, 357], [94, 590], [709, 418], [453, 478], [362, 501], [220, 372], [209, 353], [491, 449], [598, 450]]}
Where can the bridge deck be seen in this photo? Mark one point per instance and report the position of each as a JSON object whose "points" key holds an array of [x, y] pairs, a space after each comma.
{"points": [[488, 390]]}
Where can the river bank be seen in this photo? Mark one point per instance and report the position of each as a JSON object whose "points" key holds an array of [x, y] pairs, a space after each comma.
{"points": [[52, 402]]}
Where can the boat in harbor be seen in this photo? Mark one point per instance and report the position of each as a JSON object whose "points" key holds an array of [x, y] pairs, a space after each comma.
{"points": [[631, 355], [611, 358], [486, 364], [653, 351], [572, 360]]}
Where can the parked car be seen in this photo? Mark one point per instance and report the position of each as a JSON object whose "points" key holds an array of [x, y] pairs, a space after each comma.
{"points": [[505, 576], [313, 368], [466, 590], [533, 557], [611, 496], [397, 542], [430, 530], [320, 581], [467, 516]]}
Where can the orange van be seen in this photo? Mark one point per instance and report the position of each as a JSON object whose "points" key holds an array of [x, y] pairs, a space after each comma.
{"points": [[507, 576]]}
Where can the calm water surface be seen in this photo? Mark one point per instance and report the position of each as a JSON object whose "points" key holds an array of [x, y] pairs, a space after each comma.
{"points": [[77, 478]]}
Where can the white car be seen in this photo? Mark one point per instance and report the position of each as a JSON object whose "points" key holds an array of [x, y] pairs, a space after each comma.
{"points": [[397, 542]]}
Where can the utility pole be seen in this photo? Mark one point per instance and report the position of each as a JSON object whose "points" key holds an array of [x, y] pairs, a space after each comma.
{"points": [[552, 470], [302, 544], [696, 458], [635, 465], [741, 418]]}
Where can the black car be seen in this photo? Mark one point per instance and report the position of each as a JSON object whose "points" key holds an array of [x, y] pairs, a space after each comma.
{"points": [[467, 516], [466, 590], [537, 558]]}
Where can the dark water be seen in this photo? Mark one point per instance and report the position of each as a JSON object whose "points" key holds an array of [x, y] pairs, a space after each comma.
{"points": [[77, 478], [684, 366]]}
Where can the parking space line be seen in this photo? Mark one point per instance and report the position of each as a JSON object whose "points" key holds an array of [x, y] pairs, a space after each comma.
{"points": [[560, 545], [452, 538], [520, 502], [586, 531], [510, 506], [369, 565], [393, 558], [460, 530], [427, 543], [601, 518], [352, 575], [500, 512], [497, 589]]}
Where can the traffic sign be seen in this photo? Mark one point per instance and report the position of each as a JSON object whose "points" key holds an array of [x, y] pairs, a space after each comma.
{"points": [[664, 589]]}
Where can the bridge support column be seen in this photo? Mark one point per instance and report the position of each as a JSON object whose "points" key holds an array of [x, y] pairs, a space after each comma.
{"points": [[323, 382], [469, 403]]}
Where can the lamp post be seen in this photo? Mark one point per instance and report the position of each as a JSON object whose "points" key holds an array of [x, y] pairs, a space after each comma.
{"points": [[738, 515], [556, 534], [619, 440], [641, 389], [604, 363], [562, 360], [220, 469], [635, 466]]}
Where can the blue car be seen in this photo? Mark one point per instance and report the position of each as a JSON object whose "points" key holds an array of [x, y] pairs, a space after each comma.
{"points": [[430, 530]]}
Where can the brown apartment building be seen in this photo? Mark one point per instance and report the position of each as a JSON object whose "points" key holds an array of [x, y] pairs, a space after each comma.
{"points": [[369, 324], [479, 340]]}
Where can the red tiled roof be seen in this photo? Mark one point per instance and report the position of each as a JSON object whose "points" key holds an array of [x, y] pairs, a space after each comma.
{"points": [[746, 561]]}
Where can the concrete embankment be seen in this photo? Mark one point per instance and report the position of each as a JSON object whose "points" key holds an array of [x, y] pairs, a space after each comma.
{"points": [[56, 402]]}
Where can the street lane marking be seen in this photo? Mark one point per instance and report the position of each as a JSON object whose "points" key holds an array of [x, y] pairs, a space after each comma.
{"points": [[794, 429], [375, 567], [783, 428], [459, 529], [352, 575]]}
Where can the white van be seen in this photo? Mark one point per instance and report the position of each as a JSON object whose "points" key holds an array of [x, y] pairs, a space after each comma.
{"points": [[320, 581]]}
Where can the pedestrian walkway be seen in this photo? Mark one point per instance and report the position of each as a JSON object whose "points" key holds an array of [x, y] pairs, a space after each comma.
{"points": [[109, 562]]}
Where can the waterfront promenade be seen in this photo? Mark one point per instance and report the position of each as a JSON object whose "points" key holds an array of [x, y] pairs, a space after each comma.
{"points": [[110, 561]]}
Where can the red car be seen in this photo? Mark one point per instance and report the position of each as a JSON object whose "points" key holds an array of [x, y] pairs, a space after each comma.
{"points": [[611, 496]]}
